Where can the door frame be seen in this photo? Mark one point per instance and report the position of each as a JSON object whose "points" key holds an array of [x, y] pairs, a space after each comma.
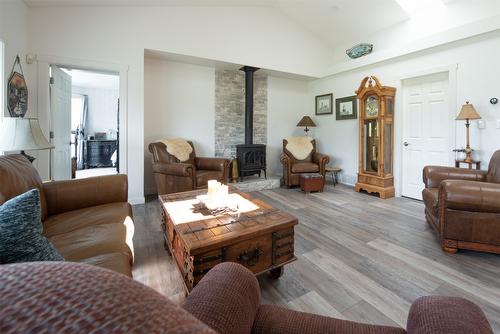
{"points": [[452, 110], [43, 101]]}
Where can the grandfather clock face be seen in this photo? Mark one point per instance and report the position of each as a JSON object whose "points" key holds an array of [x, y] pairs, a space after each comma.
{"points": [[371, 109]]}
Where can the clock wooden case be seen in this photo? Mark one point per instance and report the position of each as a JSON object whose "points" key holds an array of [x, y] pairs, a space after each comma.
{"points": [[376, 137]]}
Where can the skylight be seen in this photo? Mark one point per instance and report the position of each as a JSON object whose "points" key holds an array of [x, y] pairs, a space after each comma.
{"points": [[413, 7]]}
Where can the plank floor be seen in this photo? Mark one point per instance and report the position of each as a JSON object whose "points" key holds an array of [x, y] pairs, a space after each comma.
{"points": [[359, 258]]}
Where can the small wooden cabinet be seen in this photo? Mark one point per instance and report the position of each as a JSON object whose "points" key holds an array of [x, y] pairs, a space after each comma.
{"points": [[376, 137]]}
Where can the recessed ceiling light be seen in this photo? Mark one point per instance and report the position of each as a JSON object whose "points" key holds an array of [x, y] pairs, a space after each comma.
{"points": [[414, 6]]}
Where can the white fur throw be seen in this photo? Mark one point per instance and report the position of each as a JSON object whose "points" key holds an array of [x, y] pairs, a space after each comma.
{"points": [[178, 147], [300, 147]]}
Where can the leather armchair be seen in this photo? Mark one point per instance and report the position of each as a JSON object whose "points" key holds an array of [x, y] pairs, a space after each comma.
{"points": [[173, 176], [463, 206], [292, 168]]}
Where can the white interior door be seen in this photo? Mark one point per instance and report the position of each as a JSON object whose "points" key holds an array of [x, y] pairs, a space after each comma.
{"points": [[60, 110], [426, 124]]}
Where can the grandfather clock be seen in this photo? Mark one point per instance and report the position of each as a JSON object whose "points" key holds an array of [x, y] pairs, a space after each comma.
{"points": [[376, 137]]}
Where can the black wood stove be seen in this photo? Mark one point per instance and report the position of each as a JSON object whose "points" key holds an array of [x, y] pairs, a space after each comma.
{"points": [[251, 157]]}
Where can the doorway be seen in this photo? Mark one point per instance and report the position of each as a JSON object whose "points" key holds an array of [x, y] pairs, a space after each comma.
{"points": [[84, 122], [426, 130]]}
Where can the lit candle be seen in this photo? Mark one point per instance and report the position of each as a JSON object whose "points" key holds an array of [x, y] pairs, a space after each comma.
{"points": [[212, 188]]}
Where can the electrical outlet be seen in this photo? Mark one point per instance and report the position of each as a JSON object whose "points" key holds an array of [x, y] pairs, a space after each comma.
{"points": [[481, 124], [498, 123]]}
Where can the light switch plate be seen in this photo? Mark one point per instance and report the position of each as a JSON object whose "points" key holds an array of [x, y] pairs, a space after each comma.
{"points": [[498, 123], [481, 124]]}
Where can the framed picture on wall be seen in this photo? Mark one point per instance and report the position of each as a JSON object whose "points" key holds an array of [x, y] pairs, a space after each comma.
{"points": [[324, 104], [346, 108]]}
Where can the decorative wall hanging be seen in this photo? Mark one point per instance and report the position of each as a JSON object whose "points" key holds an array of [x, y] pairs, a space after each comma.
{"points": [[17, 91], [324, 104], [346, 108], [359, 50]]}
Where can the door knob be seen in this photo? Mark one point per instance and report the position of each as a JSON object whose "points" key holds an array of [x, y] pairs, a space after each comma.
{"points": [[406, 143]]}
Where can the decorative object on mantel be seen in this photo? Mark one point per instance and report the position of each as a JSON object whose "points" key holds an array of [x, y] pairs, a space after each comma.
{"points": [[346, 108], [307, 122], [376, 137], [359, 50], [324, 104], [20, 134], [17, 91], [468, 113]]}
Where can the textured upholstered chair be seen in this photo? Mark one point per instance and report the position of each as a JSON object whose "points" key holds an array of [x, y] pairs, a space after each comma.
{"points": [[172, 175], [463, 206], [301, 160], [63, 297]]}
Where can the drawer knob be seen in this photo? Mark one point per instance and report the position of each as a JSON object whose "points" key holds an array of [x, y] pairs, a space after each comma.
{"points": [[250, 257]]}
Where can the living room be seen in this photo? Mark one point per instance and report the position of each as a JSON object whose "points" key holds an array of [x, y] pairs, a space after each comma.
{"points": [[209, 78]]}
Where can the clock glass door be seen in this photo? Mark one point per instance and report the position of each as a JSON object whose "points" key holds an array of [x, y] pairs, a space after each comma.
{"points": [[372, 106], [371, 146]]}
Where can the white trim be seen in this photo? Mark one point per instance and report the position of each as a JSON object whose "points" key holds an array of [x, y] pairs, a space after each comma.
{"points": [[137, 200], [43, 64], [466, 31], [3, 86], [452, 108]]}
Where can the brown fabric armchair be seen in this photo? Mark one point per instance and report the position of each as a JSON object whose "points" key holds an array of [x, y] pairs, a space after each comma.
{"points": [[227, 300], [173, 176], [292, 168], [463, 206]]}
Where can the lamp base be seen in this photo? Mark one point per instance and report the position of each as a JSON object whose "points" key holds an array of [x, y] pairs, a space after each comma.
{"points": [[29, 157]]}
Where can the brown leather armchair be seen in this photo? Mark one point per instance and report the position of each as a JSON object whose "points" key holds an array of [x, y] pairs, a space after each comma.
{"points": [[173, 176], [463, 206], [292, 168]]}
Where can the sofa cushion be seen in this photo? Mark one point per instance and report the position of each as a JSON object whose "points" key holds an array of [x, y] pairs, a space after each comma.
{"points": [[430, 197], [305, 167], [118, 262], [63, 297], [95, 240], [18, 176], [21, 238], [112, 213], [202, 177]]}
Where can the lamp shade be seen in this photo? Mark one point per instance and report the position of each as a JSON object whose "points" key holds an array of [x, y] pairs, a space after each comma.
{"points": [[468, 112], [19, 134], [306, 121]]}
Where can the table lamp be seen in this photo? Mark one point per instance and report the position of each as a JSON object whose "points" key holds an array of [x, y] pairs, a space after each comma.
{"points": [[307, 122], [467, 113], [20, 134]]}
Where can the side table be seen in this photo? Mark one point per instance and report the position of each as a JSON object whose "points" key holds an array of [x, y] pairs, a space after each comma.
{"points": [[473, 162], [334, 171]]}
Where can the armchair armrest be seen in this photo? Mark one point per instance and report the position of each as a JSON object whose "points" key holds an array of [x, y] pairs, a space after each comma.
{"points": [[470, 196], [175, 169], [438, 314], [433, 175], [226, 299], [276, 319], [63, 196], [219, 164], [285, 159], [321, 160]]}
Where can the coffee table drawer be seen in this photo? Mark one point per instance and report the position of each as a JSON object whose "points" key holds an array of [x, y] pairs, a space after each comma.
{"points": [[255, 254]]}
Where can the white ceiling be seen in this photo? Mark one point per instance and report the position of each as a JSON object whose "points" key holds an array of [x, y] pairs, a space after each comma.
{"points": [[332, 21], [89, 79]]}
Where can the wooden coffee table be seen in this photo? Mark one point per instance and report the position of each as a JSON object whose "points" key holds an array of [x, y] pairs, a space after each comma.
{"points": [[261, 238]]}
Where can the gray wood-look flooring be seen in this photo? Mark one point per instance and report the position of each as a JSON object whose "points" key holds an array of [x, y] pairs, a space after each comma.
{"points": [[359, 258]]}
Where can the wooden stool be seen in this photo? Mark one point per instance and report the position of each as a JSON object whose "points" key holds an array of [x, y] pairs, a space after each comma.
{"points": [[335, 173], [311, 182]]}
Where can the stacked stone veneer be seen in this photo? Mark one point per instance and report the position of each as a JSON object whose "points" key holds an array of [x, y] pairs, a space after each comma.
{"points": [[230, 111]]}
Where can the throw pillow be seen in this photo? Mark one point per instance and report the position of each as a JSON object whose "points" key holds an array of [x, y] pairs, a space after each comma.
{"points": [[21, 238]]}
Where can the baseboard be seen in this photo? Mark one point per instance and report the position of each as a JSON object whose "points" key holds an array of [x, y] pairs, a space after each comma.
{"points": [[137, 200]]}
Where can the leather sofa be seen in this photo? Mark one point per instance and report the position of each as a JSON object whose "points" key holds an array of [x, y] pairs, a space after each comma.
{"points": [[292, 168], [172, 176], [87, 220], [227, 300], [463, 206]]}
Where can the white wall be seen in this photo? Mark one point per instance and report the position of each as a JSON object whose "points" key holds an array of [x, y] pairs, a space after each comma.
{"points": [[179, 102], [120, 35], [476, 80], [103, 108], [287, 102]]}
